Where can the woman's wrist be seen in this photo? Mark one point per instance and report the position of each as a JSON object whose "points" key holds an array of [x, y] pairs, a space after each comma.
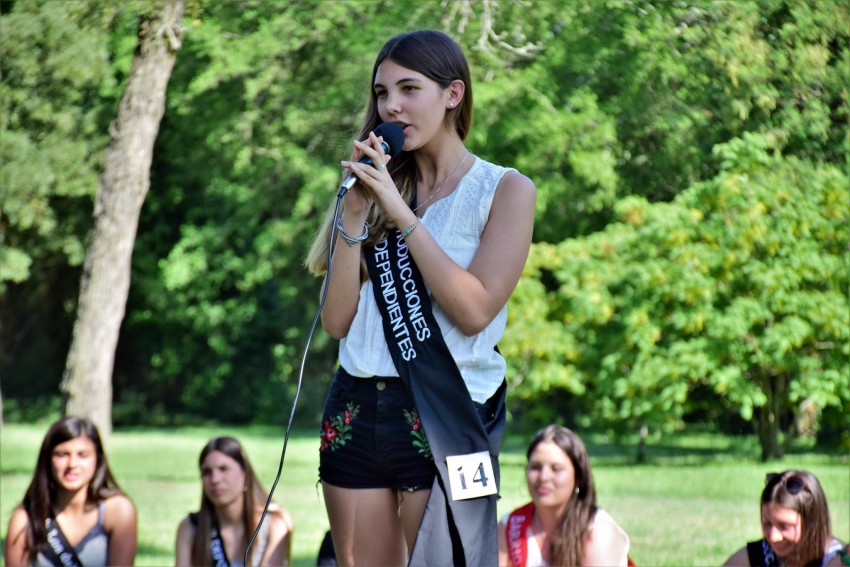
{"points": [[351, 222], [352, 235], [409, 230], [406, 220]]}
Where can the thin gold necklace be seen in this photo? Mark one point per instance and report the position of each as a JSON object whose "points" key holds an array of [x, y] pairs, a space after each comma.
{"points": [[446, 180]]}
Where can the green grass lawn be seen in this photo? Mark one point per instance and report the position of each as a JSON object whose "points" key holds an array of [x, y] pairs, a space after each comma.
{"points": [[694, 503]]}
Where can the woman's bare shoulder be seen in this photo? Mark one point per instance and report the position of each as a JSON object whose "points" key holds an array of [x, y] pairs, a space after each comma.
{"points": [[19, 516], [118, 507], [515, 181], [279, 519]]}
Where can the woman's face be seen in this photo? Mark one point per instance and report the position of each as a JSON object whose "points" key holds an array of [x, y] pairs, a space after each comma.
{"points": [[73, 463], [411, 100], [223, 479], [782, 528], [550, 475]]}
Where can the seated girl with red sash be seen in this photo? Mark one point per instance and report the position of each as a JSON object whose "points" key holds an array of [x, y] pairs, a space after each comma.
{"points": [[562, 524], [795, 524], [73, 512], [232, 502]]}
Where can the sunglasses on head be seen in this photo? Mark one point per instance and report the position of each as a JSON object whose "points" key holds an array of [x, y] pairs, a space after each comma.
{"points": [[792, 484]]}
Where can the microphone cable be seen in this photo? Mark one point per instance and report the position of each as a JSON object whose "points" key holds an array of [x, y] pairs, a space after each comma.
{"points": [[324, 296], [392, 140]]}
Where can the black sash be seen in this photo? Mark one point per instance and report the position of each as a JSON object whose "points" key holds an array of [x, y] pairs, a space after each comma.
{"points": [[59, 550], [452, 532], [761, 554], [219, 556]]}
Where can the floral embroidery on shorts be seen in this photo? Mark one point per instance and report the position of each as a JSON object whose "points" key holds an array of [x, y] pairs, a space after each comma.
{"points": [[420, 439], [337, 430]]}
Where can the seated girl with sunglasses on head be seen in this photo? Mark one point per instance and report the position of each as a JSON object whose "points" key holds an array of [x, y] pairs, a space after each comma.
{"points": [[796, 526]]}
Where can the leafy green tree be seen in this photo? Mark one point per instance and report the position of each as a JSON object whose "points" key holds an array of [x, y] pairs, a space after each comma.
{"points": [[738, 285], [56, 98], [245, 166], [629, 97], [246, 163], [595, 101], [53, 62]]}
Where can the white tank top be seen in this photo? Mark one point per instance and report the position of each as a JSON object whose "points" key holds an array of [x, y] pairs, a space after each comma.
{"points": [[456, 222]]}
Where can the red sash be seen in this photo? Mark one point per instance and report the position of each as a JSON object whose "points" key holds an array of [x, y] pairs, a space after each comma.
{"points": [[516, 534]]}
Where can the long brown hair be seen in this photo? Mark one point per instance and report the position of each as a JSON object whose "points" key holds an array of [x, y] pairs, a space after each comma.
{"points": [[43, 489], [438, 57], [800, 491], [252, 502], [575, 523]]}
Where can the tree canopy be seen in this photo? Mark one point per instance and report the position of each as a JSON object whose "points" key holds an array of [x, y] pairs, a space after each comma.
{"points": [[690, 256]]}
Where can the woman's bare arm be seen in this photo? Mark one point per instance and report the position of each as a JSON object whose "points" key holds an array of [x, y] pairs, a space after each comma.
{"points": [[119, 521], [15, 551]]}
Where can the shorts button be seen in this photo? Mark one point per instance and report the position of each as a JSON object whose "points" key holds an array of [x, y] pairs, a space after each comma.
{"points": [[381, 385]]}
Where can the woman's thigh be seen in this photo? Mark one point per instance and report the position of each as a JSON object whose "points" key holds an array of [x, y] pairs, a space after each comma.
{"points": [[365, 525], [411, 507]]}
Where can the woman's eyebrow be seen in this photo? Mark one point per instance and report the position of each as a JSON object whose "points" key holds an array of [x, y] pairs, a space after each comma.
{"points": [[398, 82]]}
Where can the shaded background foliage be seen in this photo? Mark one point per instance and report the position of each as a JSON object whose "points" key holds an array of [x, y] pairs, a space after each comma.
{"points": [[690, 257]]}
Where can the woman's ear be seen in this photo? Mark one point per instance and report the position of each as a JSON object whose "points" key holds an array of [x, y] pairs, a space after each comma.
{"points": [[455, 92]]}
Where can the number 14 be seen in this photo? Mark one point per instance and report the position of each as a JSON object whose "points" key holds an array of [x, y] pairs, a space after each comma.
{"points": [[471, 476], [480, 476]]}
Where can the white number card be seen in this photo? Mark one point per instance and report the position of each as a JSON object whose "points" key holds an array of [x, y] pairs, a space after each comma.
{"points": [[471, 476]]}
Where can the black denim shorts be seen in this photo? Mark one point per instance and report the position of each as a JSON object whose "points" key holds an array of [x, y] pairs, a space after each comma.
{"points": [[371, 436]]}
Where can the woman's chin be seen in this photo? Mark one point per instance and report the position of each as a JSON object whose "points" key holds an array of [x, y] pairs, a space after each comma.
{"points": [[783, 551]]}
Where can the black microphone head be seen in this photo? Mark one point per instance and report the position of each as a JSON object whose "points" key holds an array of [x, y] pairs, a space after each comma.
{"points": [[393, 137]]}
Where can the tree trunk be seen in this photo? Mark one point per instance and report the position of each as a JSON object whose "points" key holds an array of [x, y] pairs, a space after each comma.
{"points": [[769, 425], [640, 457], [105, 282]]}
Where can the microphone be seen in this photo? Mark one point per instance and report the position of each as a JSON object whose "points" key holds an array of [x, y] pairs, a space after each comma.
{"points": [[391, 144]]}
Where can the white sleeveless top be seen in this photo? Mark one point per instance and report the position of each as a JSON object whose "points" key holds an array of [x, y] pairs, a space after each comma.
{"points": [[456, 222], [257, 550]]}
